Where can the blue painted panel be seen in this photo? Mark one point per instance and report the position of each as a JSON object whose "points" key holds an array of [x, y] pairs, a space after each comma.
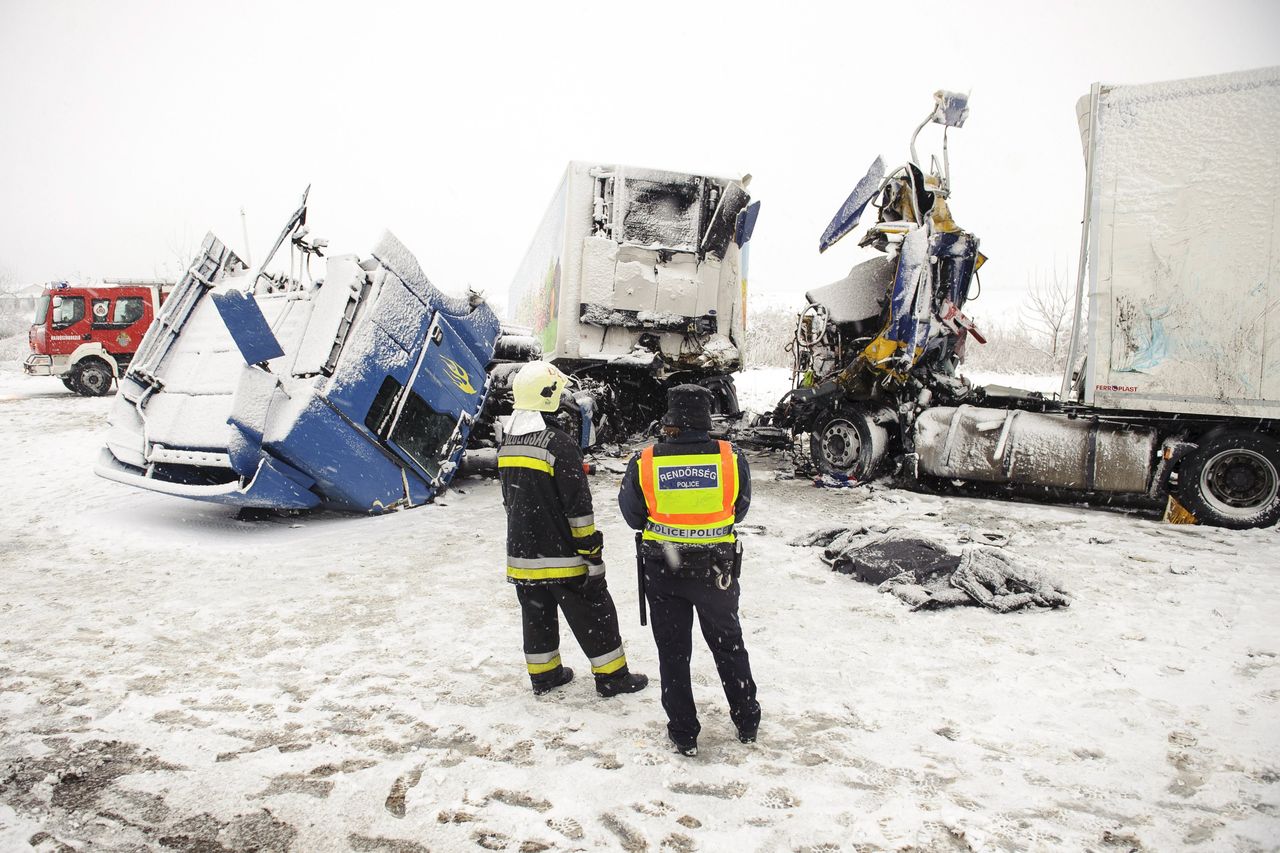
{"points": [[351, 472], [452, 378], [274, 487], [248, 328], [957, 252], [746, 225], [847, 217]]}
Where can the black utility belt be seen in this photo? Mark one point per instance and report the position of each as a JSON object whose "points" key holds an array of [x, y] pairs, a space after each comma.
{"points": [[722, 560]]}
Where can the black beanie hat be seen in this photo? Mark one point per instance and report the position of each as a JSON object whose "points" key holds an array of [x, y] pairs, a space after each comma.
{"points": [[688, 407]]}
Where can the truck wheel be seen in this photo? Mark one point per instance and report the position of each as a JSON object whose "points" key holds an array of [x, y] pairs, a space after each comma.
{"points": [[93, 378], [848, 444], [69, 380], [1233, 481]]}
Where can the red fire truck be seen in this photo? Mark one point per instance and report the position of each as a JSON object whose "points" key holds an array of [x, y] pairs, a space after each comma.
{"points": [[87, 335]]}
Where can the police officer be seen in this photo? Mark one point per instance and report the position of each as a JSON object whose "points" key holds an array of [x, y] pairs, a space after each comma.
{"points": [[554, 552], [686, 493]]}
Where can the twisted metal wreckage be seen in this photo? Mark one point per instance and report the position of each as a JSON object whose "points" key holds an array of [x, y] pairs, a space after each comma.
{"points": [[360, 389]]}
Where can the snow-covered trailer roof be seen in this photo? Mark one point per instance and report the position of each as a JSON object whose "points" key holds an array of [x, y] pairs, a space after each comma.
{"points": [[1184, 245]]}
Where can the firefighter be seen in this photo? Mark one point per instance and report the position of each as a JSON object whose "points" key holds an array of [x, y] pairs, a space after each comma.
{"points": [[554, 552], [686, 493]]}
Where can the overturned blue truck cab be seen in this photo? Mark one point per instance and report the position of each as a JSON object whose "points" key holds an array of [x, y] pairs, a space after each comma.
{"points": [[355, 391]]}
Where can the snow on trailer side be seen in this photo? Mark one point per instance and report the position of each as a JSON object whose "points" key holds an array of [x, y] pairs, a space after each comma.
{"points": [[360, 396], [640, 267], [1184, 242]]}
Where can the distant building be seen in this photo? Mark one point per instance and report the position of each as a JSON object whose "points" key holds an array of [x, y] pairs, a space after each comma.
{"points": [[22, 300]]}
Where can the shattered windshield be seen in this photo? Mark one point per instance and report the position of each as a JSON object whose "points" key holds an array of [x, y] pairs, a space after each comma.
{"points": [[419, 430], [422, 432], [663, 213]]}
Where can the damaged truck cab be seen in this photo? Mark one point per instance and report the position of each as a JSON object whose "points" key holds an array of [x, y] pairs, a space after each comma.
{"points": [[1172, 389], [874, 347], [356, 390], [636, 279]]}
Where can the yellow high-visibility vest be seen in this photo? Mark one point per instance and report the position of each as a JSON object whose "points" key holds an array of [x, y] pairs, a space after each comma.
{"points": [[690, 497]]}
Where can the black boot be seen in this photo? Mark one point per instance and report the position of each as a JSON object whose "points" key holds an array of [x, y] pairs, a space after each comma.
{"points": [[620, 682], [687, 748], [558, 677], [747, 735]]}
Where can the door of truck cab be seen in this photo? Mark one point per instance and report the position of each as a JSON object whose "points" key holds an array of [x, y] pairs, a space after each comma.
{"points": [[119, 319], [67, 322], [429, 425]]}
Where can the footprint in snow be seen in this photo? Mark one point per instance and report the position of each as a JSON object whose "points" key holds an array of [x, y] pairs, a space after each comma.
{"points": [[727, 791], [566, 826], [780, 798], [395, 799], [630, 838], [490, 839], [520, 799], [655, 808]]}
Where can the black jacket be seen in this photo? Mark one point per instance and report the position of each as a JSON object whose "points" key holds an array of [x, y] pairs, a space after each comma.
{"points": [[548, 502], [631, 497]]}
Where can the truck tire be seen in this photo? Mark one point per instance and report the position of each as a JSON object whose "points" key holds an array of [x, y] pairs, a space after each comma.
{"points": [[848, 443], [1233, 481], [92, 378], [69, 380]]}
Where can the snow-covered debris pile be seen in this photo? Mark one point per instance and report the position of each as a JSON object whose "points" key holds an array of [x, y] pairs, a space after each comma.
{"points": [[928, 575]]}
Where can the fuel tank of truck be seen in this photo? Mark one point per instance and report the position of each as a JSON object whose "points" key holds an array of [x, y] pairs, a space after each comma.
{"points": [[1002, 446]]}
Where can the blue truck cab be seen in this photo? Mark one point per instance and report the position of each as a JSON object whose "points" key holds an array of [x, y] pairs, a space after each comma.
{"points": [[355, 391]]}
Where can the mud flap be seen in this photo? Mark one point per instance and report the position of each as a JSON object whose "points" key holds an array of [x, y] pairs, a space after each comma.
{"points": [[1176, 513]]}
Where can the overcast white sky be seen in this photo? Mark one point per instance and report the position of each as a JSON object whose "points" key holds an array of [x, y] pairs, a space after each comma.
{"points": [[128, 129]]}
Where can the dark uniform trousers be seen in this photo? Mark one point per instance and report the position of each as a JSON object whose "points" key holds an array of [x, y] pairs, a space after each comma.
{"points": [[592, 618], [672, 602]]}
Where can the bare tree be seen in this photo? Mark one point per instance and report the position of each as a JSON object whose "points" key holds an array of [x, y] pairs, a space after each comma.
{"points": [[182, 251], [15, 316], [769, 330], [1047, 311]]}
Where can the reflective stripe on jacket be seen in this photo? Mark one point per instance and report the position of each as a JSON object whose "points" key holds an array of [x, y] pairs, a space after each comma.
{"points": [[551, 532], [690, 497]]}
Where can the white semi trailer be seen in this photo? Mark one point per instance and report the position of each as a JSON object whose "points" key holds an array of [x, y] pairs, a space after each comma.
{"points": [[1173, 387], [636, 279]]}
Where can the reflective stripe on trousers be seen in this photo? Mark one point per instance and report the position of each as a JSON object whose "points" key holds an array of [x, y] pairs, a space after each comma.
{"points": [[608, 662], [541, 663]]}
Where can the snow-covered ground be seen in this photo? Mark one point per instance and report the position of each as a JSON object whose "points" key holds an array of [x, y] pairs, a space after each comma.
{"points": [[172, 678]]}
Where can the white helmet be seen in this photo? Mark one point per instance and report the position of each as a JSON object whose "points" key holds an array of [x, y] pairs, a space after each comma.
{"points": [[538, 386]]}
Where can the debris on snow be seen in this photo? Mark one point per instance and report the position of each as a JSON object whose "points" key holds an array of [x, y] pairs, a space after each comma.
{"points": [[928, 574]]}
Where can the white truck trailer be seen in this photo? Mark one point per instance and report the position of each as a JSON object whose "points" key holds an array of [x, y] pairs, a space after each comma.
{"points": [[1173, 386], [637, 278]]}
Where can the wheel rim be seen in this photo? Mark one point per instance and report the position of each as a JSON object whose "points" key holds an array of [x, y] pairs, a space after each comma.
{"points": [[1239, 482], [94, 380], [841, 445]]}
